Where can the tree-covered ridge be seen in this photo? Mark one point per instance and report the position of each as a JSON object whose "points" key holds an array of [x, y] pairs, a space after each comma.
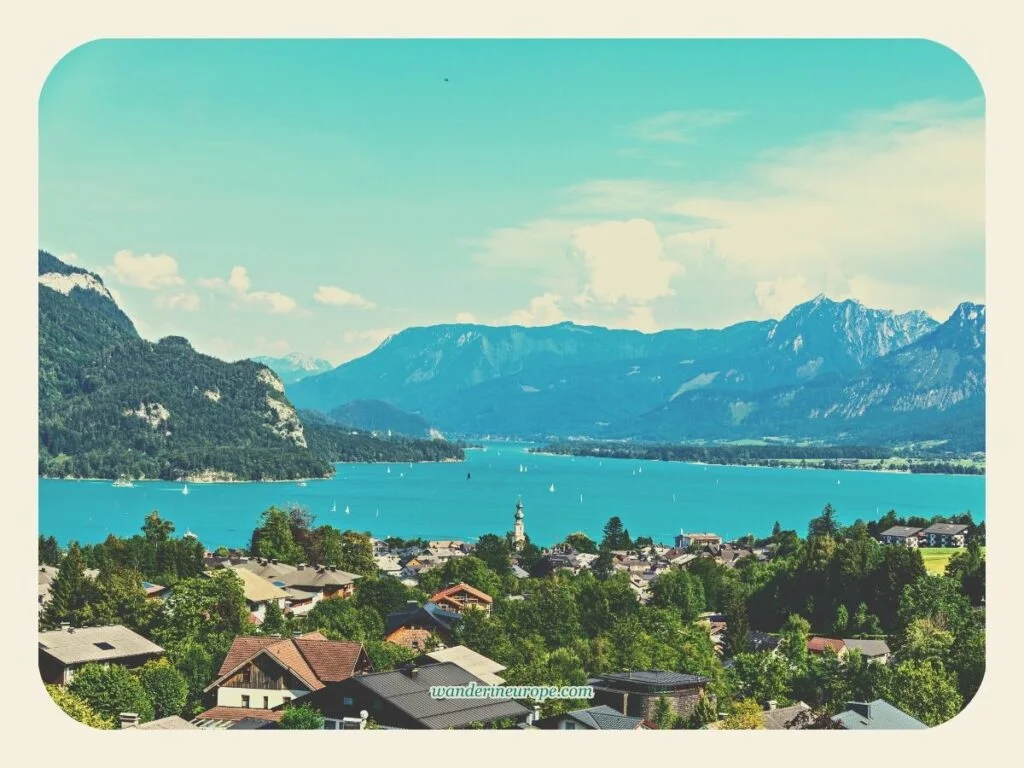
{"points": [[335, 443], [114, 404]]}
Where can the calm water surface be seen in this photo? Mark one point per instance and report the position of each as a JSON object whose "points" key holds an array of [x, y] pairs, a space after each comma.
{"points": [[437, 501]]}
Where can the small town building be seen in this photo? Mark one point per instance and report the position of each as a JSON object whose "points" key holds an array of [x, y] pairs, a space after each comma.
{"points": [[599, 718], [260, 673], [475, 663], [259, 593], [872, 650], [401, 699], [945, 535], [63, 651], [686, 540], [822, 645], [413, 626], [877, 715], [458, 597], [901, 534], [778, 718], [519, 527], [637, 693]]}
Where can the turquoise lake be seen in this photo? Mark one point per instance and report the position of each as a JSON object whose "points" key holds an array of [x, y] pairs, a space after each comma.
{"points": [[437, 501]]}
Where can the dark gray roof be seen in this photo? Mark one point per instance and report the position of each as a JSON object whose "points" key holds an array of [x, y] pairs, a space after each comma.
{"points": [[869, 647], [604, 718], [648, 678], [900, 530], [877, 715], [762, 641], [428, 614], [101, 644], [412, 696], [776, 719], [946, 529]]}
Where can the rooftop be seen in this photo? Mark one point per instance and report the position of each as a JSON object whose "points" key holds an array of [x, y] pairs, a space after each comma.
{"points": [[776, 719], [475, 663], [600, 718], [311, 657], [876, 715], [79, 646], [901, 530], [650, 678], [257, 589], [869, 648], [946, 529], [411, 694]]}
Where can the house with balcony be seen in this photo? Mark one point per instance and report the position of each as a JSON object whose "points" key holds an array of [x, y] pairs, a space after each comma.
{"points": [[901, 534], [458, 597], [260, 673], [944, 535]]}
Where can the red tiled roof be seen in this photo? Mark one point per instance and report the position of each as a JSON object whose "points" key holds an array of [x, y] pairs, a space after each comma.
{"points": [[461, 587], [240, 713], [819, 644], [314, 658]]}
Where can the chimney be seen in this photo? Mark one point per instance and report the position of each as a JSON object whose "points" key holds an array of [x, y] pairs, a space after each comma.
{"points": [[296, 634], [129, 719], [302, 566], [534, 716], [412, 604], [772, 704], [65, 626]]}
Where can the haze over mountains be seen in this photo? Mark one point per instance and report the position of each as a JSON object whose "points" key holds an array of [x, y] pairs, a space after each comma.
{"points": [[830, 371]]}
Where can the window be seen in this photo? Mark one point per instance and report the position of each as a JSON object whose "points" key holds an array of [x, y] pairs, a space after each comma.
{"points": [[266, 702], [287, 699], [347, 701], [569, 725], [245, 701]]}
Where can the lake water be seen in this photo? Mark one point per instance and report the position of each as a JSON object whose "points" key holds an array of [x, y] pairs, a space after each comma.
{"points": [[437, 501]]}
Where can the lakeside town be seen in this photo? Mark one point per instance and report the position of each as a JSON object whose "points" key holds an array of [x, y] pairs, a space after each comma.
{"points": [[876, 625]]}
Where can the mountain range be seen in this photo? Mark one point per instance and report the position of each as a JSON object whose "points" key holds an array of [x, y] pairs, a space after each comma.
{"points": [[112, 403], [294, 367], [832, 371]]}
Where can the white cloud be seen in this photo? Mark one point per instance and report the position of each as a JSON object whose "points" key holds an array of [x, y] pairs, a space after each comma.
{"points": [[339, 297], [186, 300], [779, 296], [465, 317], [893, 197], [146, 270], [542, 310], [681, 127], [70, 258], [238, 285], [623, 261]]}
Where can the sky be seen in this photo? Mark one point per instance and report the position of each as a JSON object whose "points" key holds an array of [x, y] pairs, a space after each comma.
{"points": [[263, 197]]}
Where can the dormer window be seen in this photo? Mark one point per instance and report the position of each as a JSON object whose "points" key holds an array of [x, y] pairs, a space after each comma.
{"points": [[104, 646]]}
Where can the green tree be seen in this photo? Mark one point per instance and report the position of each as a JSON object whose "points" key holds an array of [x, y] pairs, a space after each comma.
{"points": [[274, 621], [210, 611], [925, 690], [344, 620], [825, 524], [155, 529], [737, 633], [49, 551], [967, 568], [357, 554], [495, 552], [274, 539], [664, 717], [301, 718], [615, 535], [78, 708], [70, 591], [198, 665], [118, 598], [165, 686], [763, 677], [581, 543], [111, 690], [745, 716], [677, 589], [704, 712], [841, 622], [793, 640], [385, 656]]}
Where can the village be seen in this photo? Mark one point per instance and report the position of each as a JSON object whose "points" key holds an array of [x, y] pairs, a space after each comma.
{"points": [[290, 667]]}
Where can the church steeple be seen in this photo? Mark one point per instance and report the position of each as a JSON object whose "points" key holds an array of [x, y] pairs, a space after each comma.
{"points": [[519, 530]]}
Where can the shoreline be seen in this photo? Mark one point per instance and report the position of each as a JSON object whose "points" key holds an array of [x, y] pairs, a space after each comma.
{"points": [[199, 481], [762, 466]]}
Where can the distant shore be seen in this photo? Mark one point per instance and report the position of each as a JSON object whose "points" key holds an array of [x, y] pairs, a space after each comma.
{"points": [[781, 464]]}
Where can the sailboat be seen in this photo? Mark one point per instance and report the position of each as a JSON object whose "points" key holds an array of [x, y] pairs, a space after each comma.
{"points": [[552, 488], [189, 534], [581, 498], [184, 491], [123, 482], [334, 507], [347, 510], [389, 470], [302, 484]]}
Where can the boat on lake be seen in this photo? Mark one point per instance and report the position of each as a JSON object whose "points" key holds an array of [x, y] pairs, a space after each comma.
{"points": [[123, 482]]}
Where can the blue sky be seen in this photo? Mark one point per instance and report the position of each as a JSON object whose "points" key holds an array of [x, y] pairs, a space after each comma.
{"points": [[265, 197]]}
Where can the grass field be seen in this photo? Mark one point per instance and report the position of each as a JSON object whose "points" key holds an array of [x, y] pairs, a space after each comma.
{"points": [[936, 558]]}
